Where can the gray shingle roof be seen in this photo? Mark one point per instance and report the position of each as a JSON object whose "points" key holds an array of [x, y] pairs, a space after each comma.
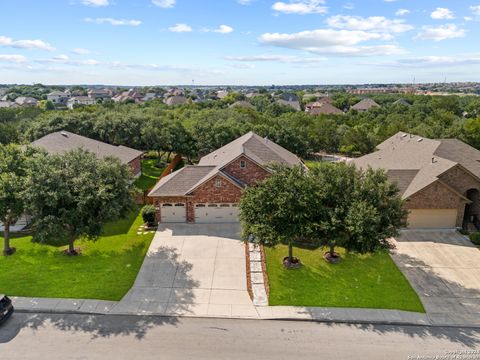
{"points": [[63, 141], [414, 162], [260, 150], [180, 182]]}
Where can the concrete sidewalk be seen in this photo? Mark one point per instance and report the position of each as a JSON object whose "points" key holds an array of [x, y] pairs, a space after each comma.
{"points": [[337, 315]]}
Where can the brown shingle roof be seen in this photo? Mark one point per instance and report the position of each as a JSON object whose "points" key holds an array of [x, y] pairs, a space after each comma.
{"points": [[415, 162], [260, 150], [365, 104], [63, 141], [325, 109]]}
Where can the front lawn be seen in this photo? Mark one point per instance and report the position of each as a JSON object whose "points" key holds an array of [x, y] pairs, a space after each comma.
{"points": [[106, 269], [150, 174], [359, 281]]}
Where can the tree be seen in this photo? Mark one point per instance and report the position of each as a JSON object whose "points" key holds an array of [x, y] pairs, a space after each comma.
{"points": [[358, 210], [73, 195], [13, 164], [278, 210]]}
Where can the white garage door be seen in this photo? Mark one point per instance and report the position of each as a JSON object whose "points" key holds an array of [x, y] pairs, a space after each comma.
{"points": [[216, 213], [432, 219], [173, 213]]}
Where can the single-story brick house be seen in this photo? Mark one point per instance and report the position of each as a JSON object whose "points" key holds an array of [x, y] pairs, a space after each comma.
{"points": [[210, 191], [439, 179], [63, 141]]}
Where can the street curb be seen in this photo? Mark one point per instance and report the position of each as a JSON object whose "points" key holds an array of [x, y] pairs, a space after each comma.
{"points": [[321, 321]]}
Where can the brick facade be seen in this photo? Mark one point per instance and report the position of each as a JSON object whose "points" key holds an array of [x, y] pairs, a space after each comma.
{"points": [[136, 166], [218, 189], [438, 196], [250, 174]]}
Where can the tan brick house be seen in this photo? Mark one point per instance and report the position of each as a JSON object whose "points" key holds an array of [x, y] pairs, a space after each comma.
{"points": [[63, 141], [439, 179], [210, 191]]}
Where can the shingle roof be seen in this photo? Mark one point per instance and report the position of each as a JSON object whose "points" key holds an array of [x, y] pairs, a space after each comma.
{"points": [[179, 182], [325, 109], [176, 100], [365, 104], [415, 162], [256, 148], [63, 141], [292, 103]]}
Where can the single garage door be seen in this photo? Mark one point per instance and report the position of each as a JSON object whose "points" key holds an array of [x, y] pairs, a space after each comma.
{"points": [[173, 213], [216, 213], [432, 219]]}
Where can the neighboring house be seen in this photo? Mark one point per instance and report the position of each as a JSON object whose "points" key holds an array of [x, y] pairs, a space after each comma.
{"points": [[210, 191], [8, 104], [80, 101], [322, 109], [439, 179], [25, 101], [58, 97], [63, 141], [402, 102], [293, 104], [176, 100], [98, 94], [222, 94], [128, 95], [242, 104], [149, 96], [365, 105]]}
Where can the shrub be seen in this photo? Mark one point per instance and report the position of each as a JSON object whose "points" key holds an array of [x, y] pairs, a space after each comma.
{"points": [[475, 238], [148, 215]]}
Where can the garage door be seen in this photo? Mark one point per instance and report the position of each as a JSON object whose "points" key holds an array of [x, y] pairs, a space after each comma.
{"points": [[173, 213], [216, 213], [432, 219]]}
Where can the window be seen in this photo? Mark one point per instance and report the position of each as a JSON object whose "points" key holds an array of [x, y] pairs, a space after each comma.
{"points": [[243, 164], [167, 205], [179, 205], [200, 205], [218, 183], [224, 205], [212, 205]]}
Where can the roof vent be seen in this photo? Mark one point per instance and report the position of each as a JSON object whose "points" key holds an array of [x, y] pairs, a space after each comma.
{"points": [[404, 135], [64, 133], [420, 140], [433, 160]]}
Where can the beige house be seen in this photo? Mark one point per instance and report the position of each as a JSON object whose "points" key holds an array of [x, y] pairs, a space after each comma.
{"points": [[439, 179]]}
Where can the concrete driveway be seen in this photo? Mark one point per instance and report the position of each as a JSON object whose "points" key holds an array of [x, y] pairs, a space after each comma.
{"points": [[192, 269], [444, 268]]}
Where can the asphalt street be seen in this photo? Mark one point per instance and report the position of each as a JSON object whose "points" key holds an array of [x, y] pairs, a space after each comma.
{"points": [[55, 336]]}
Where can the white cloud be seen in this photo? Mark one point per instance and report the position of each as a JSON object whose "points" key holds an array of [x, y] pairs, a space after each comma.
{"points": [[373, 23], [13, 58], [475, 10], [180, 28], [349, 6], [166, 4], [81, 51], [301, 7], [26, 44], [276, 58], [245, 2], [434, 61], [444, 32], [114, 22], [330, 41], [222, 29], [65, 60], [96, 3], [442, 14], [402, 12]]}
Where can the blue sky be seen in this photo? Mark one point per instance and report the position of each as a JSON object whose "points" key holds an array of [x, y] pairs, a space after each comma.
{"points": [[255, 42]]}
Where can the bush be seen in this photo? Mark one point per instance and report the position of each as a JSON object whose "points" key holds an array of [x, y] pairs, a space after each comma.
{"points": [[148, 215], [475, 238]]}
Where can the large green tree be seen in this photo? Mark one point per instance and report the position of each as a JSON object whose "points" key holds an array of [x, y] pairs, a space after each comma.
{"points": [[73, 195], [358, 210], [278, 210], [13, 168]]}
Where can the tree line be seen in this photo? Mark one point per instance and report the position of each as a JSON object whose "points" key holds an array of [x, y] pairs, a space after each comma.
{"points": [[198, 128]]}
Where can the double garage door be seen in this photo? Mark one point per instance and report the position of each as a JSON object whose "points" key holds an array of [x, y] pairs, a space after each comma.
{"points": [[204, 213], [432, 219], [216, 213]]}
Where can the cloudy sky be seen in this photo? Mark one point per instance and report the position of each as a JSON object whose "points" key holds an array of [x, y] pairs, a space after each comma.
{"points": [[257, 42]]}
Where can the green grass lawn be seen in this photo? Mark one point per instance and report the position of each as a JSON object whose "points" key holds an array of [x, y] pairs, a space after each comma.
{"points": [[360, 281], [311, 164], [150, 174], [106, 269]]}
